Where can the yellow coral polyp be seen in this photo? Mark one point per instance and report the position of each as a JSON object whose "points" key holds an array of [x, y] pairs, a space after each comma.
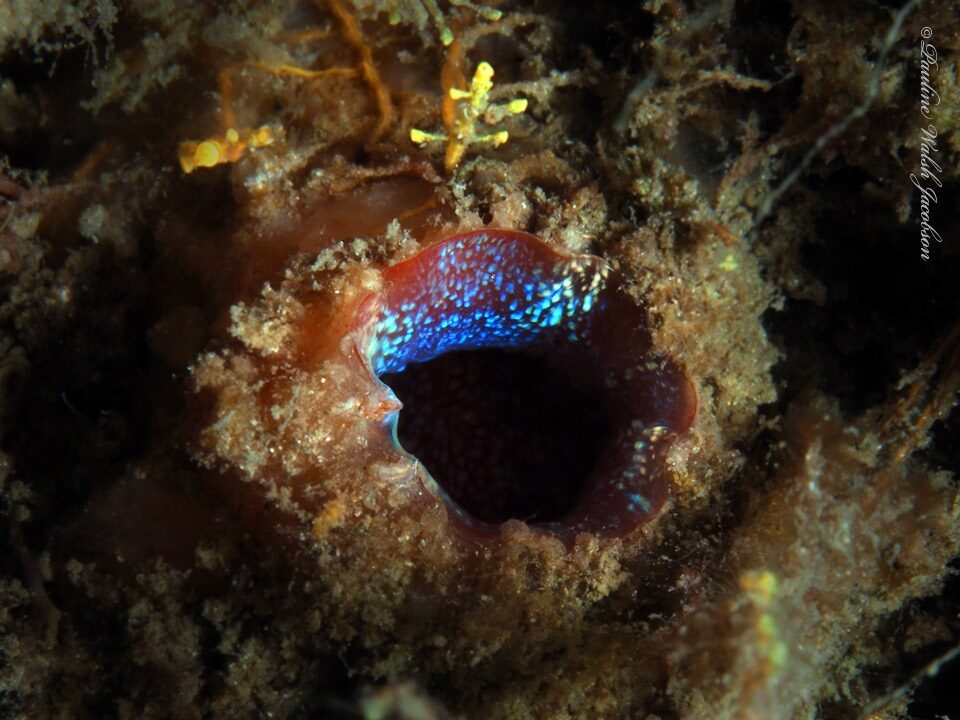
{"points": [[759, 586], [204, 154], [766, 626], [472, 104], [779, 654], [420, 137], [227, 148], [208, 153], [262, 137]]}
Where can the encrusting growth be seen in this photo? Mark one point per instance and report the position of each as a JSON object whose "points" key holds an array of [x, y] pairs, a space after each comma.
{"points": [[463, 109], [233, 143], [422, 11], [568, 430]]}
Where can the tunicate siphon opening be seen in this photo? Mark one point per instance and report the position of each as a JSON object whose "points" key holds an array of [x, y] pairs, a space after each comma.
{"points": [[505, 434], [527, 383]]}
